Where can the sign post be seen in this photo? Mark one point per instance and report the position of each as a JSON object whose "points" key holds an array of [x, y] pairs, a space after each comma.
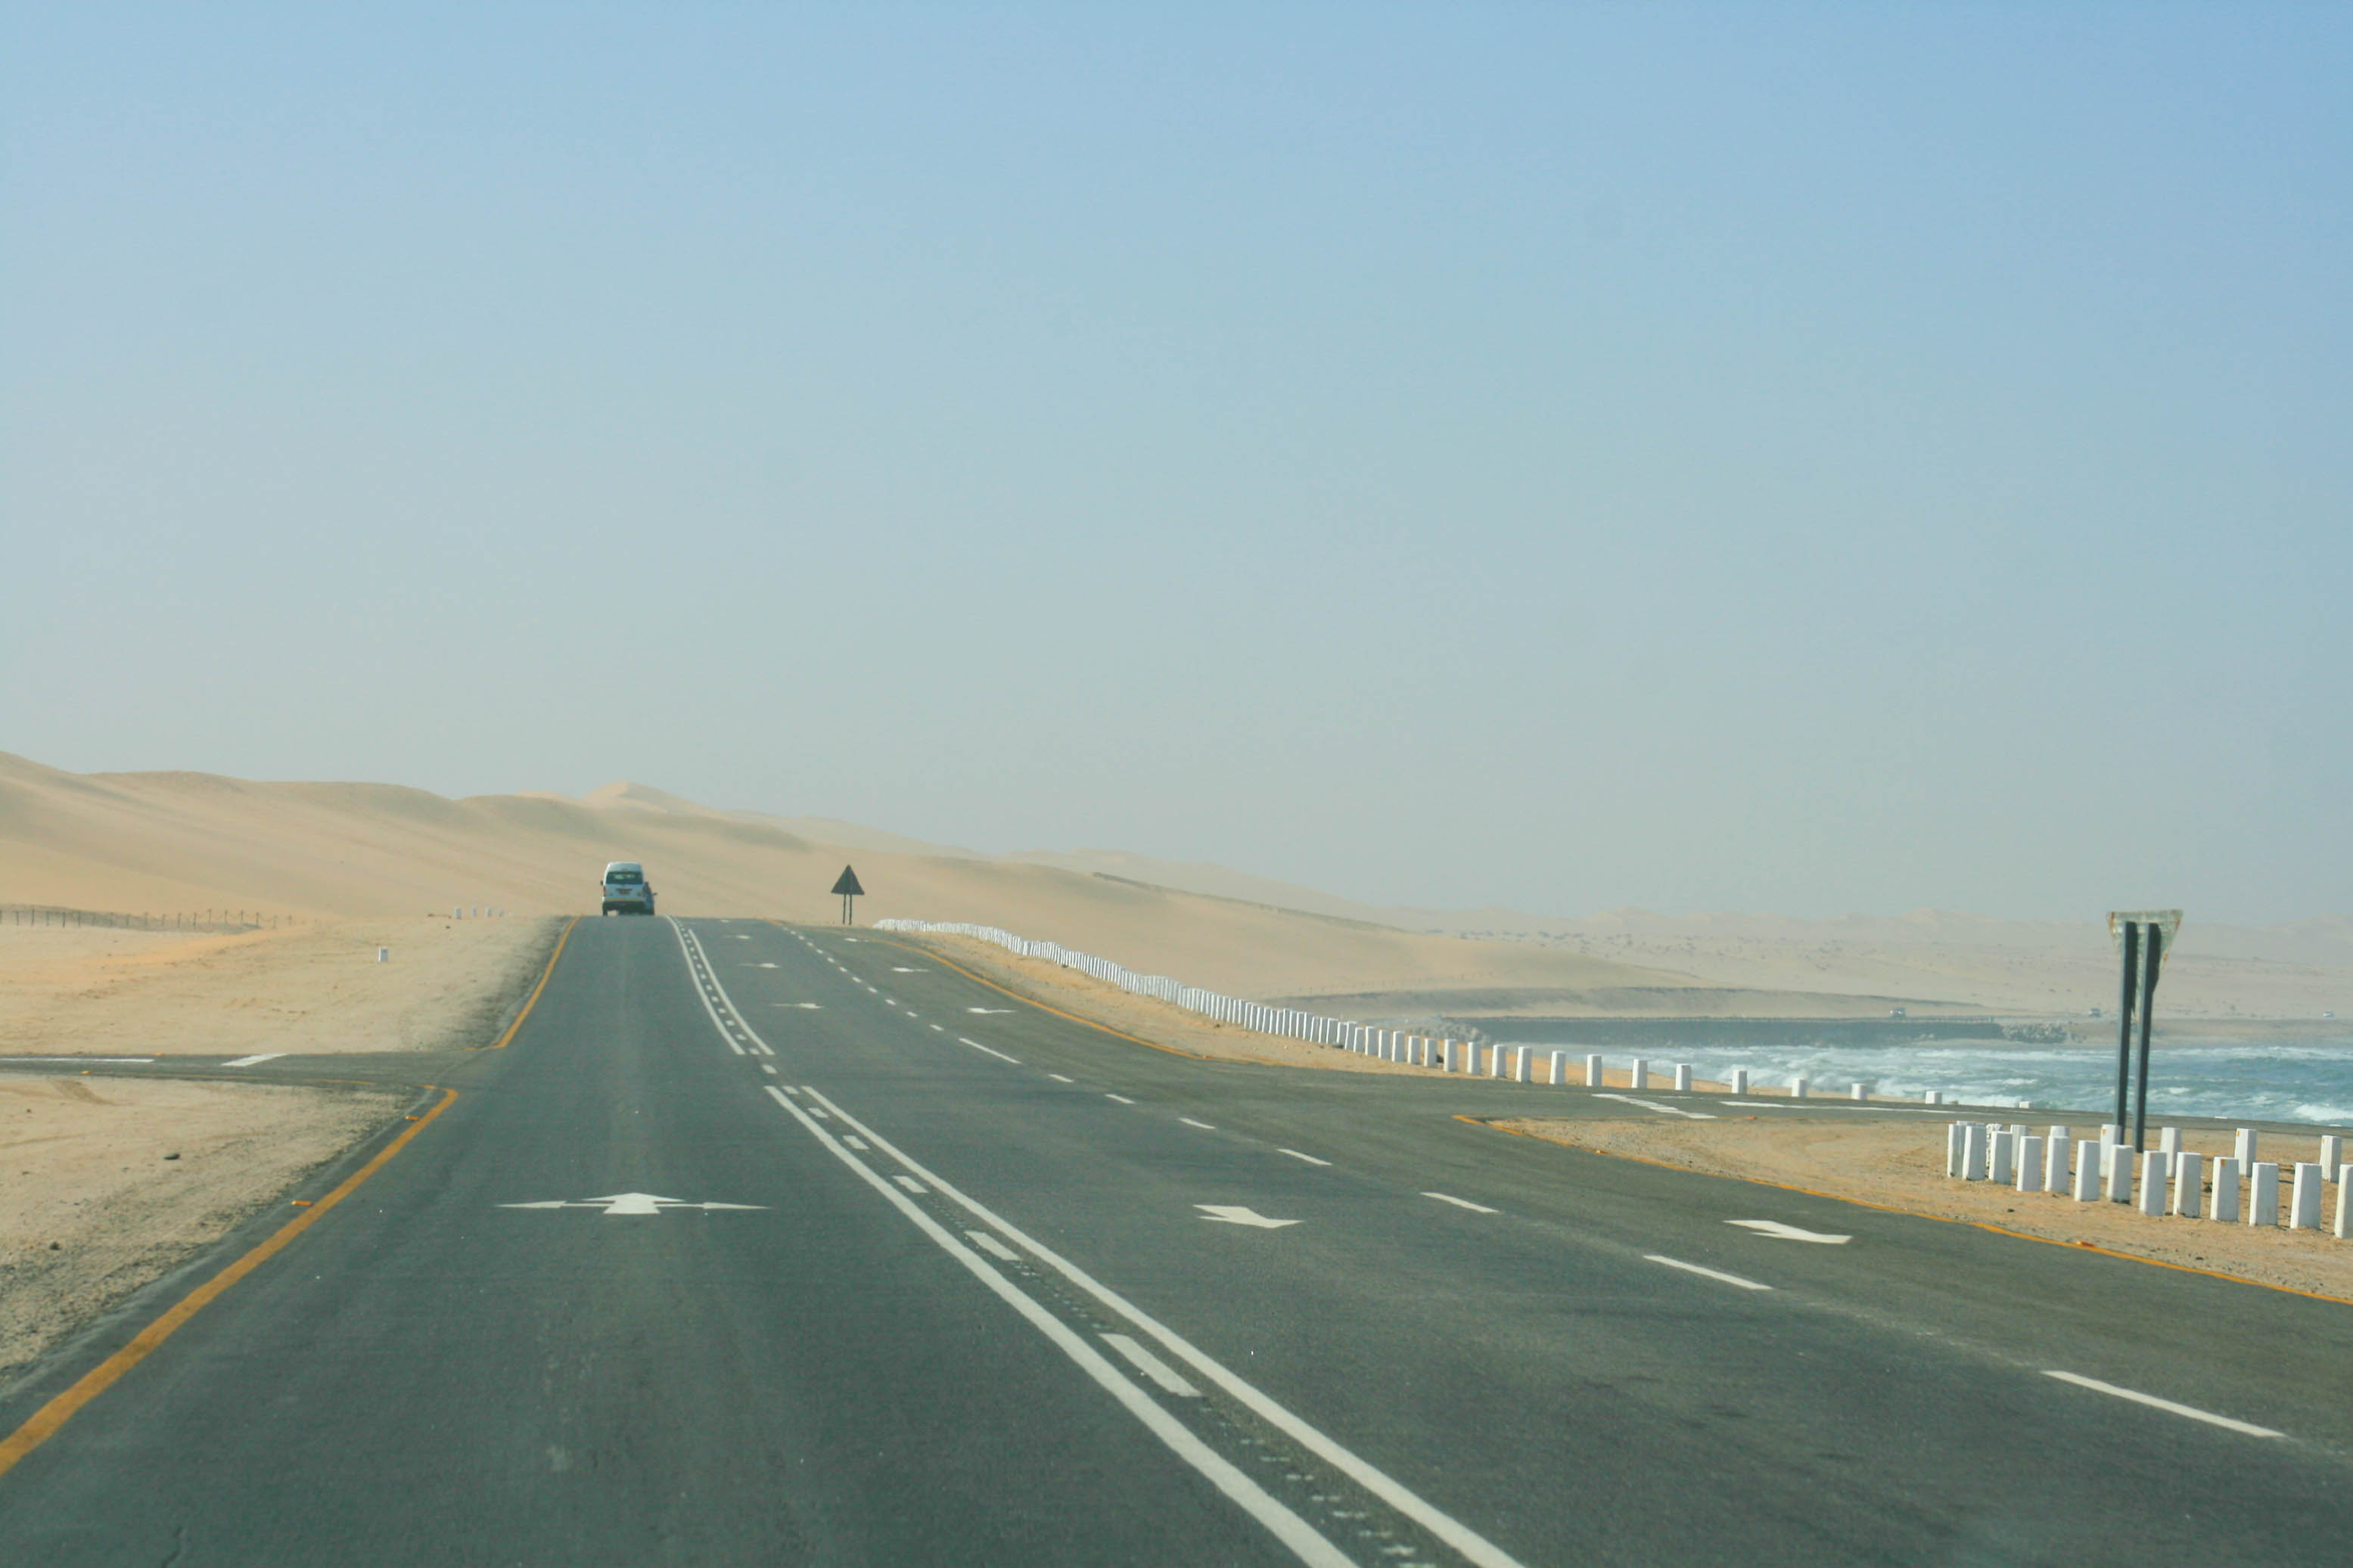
{"points": [[2142, 936], [847, 886]]}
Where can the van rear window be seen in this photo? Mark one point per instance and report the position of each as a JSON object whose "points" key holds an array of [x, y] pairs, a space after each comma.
{"points": [[625, 876]]}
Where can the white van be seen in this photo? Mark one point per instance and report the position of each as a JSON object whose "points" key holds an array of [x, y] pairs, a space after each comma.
{"points": [[627, 891]]}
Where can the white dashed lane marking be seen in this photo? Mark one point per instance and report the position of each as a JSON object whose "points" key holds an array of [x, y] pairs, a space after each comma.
{"points": [[1461, 1203], [1709, 1273], [1204, 1126], [2153, 1402], [1297, 1155]]}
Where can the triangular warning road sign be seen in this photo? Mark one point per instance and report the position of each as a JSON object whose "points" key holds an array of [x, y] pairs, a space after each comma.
{"points": [[847, 886]]}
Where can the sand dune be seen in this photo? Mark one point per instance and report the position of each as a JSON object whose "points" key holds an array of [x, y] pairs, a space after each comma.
{"points": [[168, 841]]}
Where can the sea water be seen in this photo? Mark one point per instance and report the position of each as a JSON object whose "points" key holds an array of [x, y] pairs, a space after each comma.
{"points": [[2269, 1082]]}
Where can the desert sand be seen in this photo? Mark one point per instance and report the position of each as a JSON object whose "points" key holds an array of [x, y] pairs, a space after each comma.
{"points": [[1900, 1164], [112, 1182]]}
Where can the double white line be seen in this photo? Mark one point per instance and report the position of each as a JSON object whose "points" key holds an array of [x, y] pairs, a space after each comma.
{"points": [[1303, 1540]]}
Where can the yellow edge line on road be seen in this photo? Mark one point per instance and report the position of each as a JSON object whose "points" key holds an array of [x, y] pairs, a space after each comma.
{"points": [[544, 977], [1916, 1214], [938, 957], [46, 1421]]}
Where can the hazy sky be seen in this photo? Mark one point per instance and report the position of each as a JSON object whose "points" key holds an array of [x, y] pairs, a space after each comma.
{"points": [[1810, 459]]}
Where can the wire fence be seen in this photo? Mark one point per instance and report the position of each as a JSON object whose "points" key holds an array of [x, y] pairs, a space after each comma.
{"points": [[1312, 1028], [187, 919]]}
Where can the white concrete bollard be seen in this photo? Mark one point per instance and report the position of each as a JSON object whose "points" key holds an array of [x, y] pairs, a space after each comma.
{"points": [[1683, 1076], [384, 955], [2243, 1151], [2169, 1144], [2087, 1171], [2304, 1200], [2344, 1211], [1453, 1056], [1495, 1068], [1934, 1097], [1557, 1071], [2332, 1154], [2189, 1185], [2030, 1164], [1797, 1088], [2118, 1174], [1954, 1143], [2226, 1191], [1520, 1064], [1593, 1074], [2002, 1168], [1862, 1092], [1973, 1151], [2055, 1145], [457, 914], [1740, 1080], [2155, 1168], [1639, 1077], [2262, 1192]]}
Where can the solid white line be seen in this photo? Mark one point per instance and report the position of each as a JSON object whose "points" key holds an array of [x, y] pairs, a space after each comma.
{"points": [[1058, 1077], [976, 1045], [2151, 1400], [1461, 1203], [1465, 1540], [254, 1061], [1303, 1540], [1711, 1273], [1121, 1098], [1152, 1366], [1202, 1125], [1654, 1105], [1297, 1155], [993, 1246]]}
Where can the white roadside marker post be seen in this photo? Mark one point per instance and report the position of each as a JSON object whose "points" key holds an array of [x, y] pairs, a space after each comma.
{"points": [[2262, 1192], [2030, 1164], [2244, 1150], [384, 955], [2226, 1191], [2344, 1228], [2189, 1185], [1862, 1091], [2332, 1154], [1593, 1074], [2087, 1171], [1955, 1140], [2304, 1202], [2155, 1168], [1520, 1064], [1739, 1080], [1558, 1074], [1683, 1077], [1640, 1079], [2118, 1174], [1797, 1088], [2169, 1144], [1933, 1097], [2004, 1166], [2055, 1144]]}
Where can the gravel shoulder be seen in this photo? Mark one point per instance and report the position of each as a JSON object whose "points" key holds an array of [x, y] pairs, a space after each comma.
{"points": [[1900, 1164]]}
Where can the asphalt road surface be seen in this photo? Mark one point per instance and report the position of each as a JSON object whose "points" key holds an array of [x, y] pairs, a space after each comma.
{"points": [[770, 1244]]}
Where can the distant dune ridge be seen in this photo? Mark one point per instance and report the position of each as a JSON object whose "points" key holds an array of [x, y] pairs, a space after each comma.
{"points": [[171, 841]]}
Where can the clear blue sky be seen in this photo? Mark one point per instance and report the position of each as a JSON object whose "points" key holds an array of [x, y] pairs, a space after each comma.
{"points": [[1777, 457]]}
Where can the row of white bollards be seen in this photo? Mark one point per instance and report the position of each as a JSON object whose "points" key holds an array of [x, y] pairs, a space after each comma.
{"points": [[481, 913], [2172, 1180]]}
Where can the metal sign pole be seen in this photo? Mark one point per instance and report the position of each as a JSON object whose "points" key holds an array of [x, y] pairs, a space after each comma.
{"points": [[2124, 1032], [2147, 1012]]}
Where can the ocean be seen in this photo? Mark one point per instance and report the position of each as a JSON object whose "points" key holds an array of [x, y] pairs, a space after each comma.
{"points": [[2275, 1082]]}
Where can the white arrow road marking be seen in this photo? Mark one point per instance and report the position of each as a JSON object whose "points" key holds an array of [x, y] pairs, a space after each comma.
{"points": [[1461, 1203], [1654, 1105], [2166, 1404], [1710, 1273], [1779, 1232], [1150, 1366], [254, 1061], [1234, 1213], [629, 1203]]}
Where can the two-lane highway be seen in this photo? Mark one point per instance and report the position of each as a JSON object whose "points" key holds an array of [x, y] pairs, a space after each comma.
{"points": [[772, 1245]]}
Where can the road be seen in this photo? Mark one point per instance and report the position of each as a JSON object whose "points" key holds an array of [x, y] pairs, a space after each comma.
{"points": [[775, 1244]]}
